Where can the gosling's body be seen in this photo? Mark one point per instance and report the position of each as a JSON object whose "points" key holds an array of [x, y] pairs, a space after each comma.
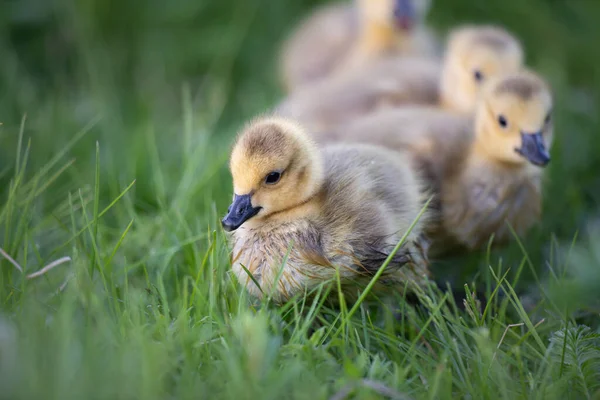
{"points": [[474, 55], [484, 197], [391, 82], [364, 203], [479, 181], [342, 36]]}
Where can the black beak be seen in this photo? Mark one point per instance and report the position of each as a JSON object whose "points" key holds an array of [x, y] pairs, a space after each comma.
{"points": [[240, 211], [404, 14], [533, 149]]}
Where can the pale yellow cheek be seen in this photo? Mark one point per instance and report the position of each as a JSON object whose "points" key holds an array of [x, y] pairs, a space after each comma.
{"points": [[276, 198], [269, 203], [510, 152], [515, 142], [258, 200]]}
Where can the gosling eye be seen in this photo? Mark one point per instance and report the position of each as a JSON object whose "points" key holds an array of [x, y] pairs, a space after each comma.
{"points": [[502, 121], [548, 119], [478, 75], [273, 177]]}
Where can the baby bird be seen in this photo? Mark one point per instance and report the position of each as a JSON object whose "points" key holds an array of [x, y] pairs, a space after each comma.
{"points": [[485, 171], [389, 82], [301, 214], [344, 35], [475, 53]]}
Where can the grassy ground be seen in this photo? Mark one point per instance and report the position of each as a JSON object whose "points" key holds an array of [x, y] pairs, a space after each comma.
{"points": [[120, 165]]}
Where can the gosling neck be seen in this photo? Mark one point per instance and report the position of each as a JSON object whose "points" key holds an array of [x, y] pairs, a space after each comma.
{"points": [[307, 209], [480, 152]]}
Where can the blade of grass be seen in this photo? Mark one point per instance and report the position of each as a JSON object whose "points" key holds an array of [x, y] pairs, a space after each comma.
{"points": [[514, 299], [78, 136], [100, 215], [93, 257], [11, 260], [388, 260], [49, 267], [18, 166], [54, 177], [108, 263], [95, 262]]}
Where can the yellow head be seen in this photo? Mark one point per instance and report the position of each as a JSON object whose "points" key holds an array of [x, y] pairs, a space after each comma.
{"points": [[474, 55], [402, 15], [513, 120], [275, 166]]}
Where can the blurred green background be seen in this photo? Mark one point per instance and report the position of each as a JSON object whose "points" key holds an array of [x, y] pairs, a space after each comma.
{"points": [[109, 92]]}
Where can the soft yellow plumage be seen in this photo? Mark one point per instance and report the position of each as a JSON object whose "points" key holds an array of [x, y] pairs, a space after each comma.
{"points": [[343, 207], [485, 170], [474, 55]]}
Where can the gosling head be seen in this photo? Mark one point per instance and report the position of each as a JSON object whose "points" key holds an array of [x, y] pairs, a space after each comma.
{"points": [[275, 167], [514, 119], [474, 55], [402, 15]]}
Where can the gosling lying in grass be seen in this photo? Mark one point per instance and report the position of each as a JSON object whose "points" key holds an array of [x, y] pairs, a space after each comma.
{"points": [[300, 214]]}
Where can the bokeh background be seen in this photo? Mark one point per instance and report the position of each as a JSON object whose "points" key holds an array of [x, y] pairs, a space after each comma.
{"points": [[97, 94]]}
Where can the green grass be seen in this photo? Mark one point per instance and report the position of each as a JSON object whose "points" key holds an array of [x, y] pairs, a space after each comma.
{"points": [[120, 165]]}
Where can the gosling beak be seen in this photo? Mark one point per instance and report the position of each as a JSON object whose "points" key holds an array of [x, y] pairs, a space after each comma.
{"points": [[404, 14], [239, 212], [534, 149]]}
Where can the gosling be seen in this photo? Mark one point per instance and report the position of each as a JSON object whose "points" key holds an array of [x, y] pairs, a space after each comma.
{"points": [[485, 171], [303, 215]]}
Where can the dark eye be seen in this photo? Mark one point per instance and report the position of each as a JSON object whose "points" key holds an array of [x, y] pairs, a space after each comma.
{"points": [[273, 178], [478, 75], [502, 121], [548, 119]]}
